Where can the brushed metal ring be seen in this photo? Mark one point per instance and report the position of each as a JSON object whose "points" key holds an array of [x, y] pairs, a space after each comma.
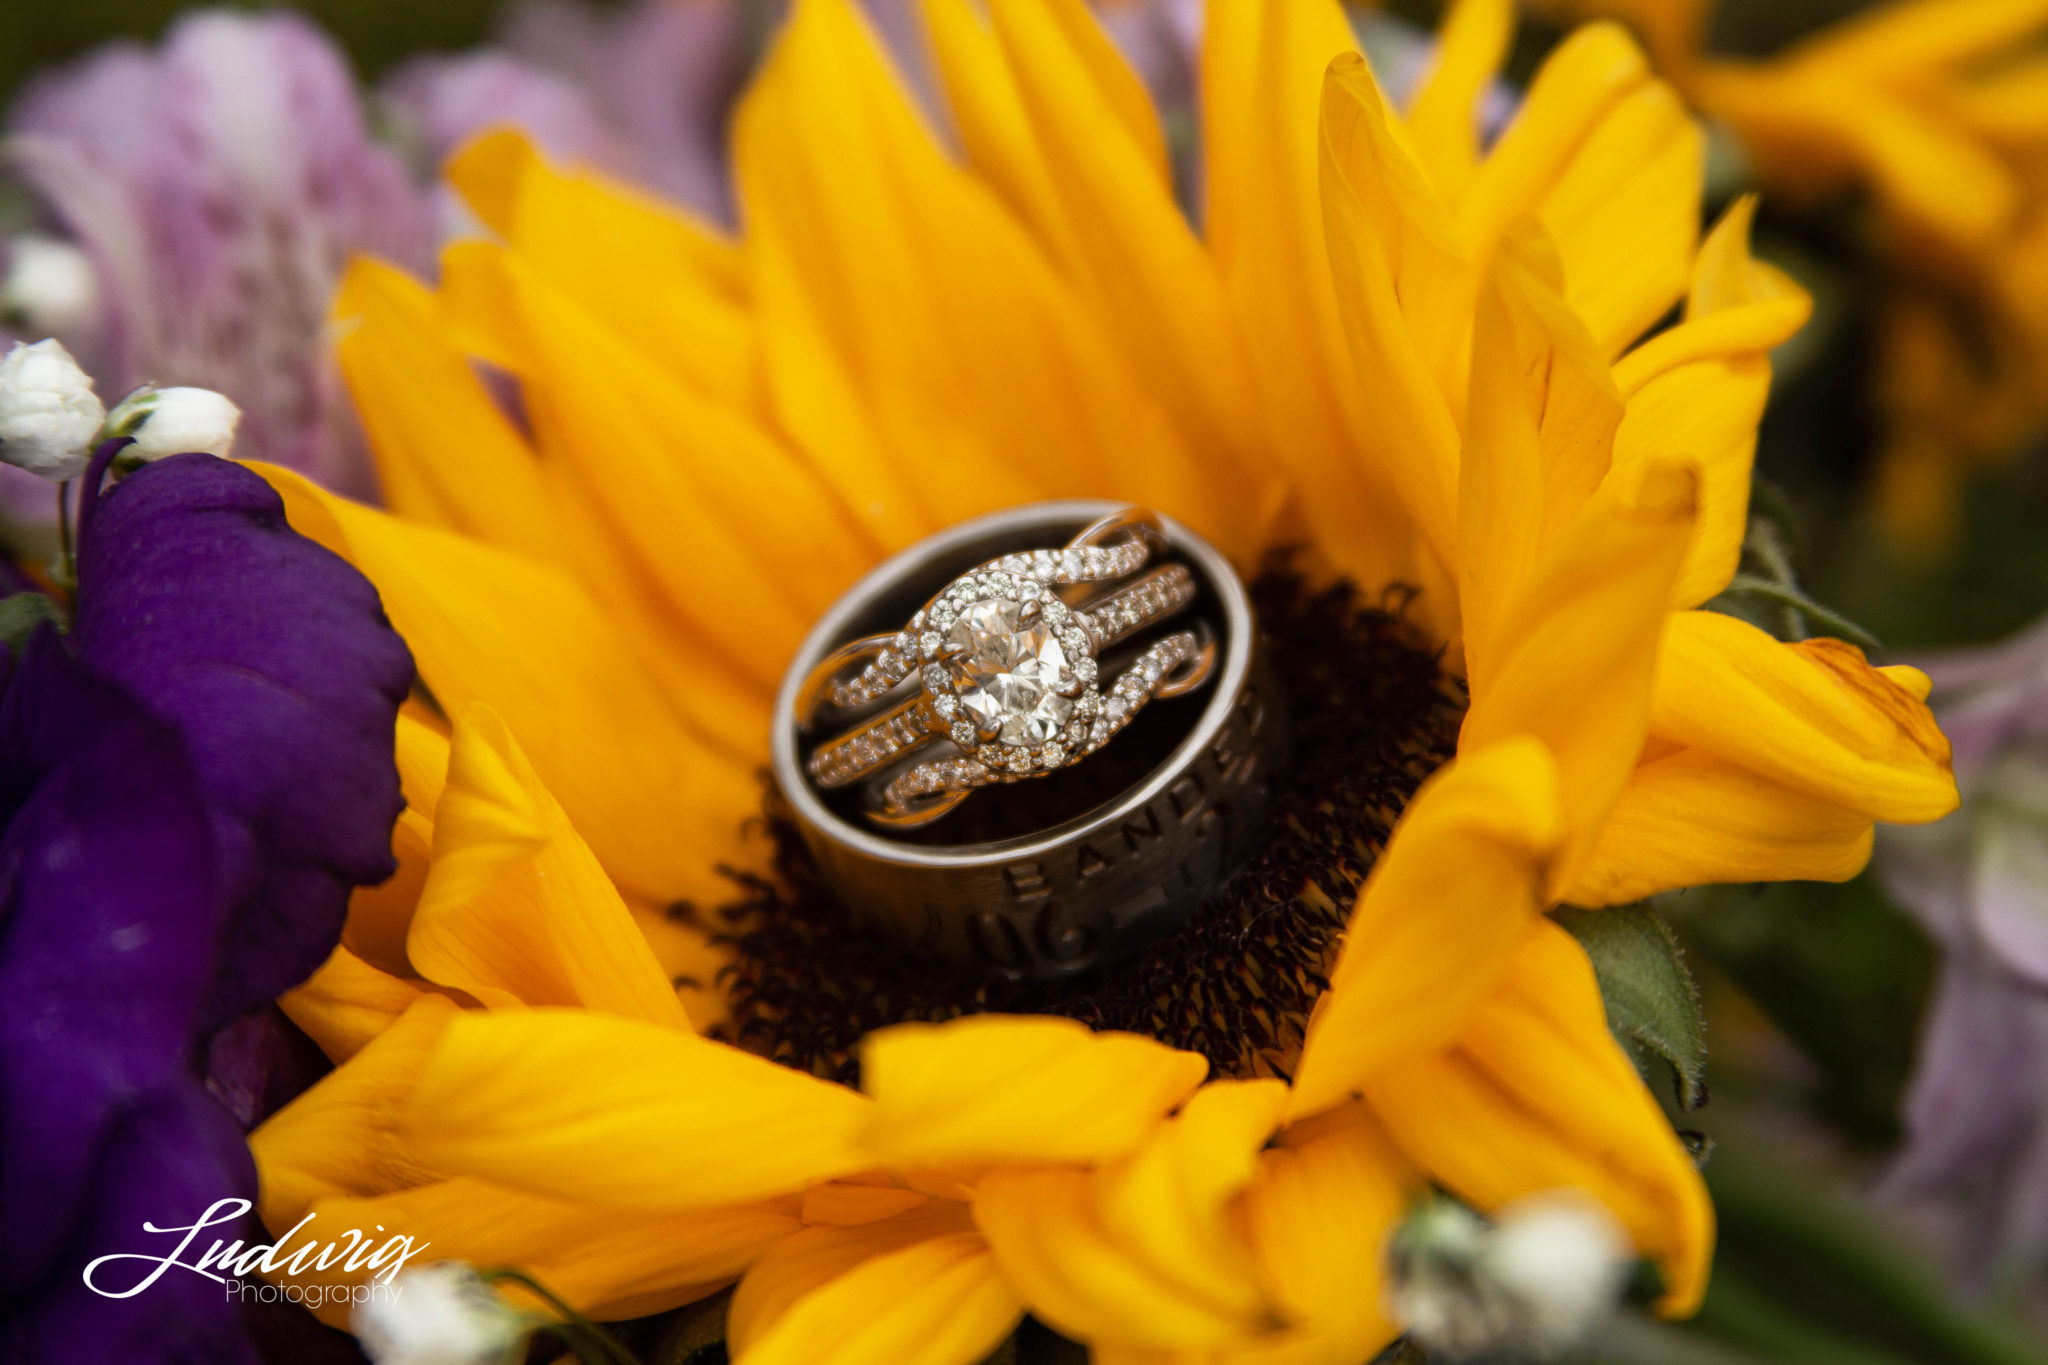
{"points": [[1102, 856]]}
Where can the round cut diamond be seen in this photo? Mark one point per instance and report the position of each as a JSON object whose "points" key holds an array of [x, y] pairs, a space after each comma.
{"points": [[1006, 672]]}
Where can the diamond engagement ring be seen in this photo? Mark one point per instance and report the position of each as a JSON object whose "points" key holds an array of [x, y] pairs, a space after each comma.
{"points": [[1016, 646], [1003, 671]]}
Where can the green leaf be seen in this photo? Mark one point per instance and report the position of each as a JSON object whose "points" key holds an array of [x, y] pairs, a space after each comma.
{"points": [[1652, 1004], [22, 613]]}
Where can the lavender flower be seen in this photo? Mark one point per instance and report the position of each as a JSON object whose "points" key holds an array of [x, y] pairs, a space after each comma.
{"points": [[641, 92], [191, 784], [216, 186], [653, 81], [1977, 1112]]}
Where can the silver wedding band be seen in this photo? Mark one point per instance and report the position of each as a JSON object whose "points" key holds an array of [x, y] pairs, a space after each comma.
{"points": [[1089, 848]]}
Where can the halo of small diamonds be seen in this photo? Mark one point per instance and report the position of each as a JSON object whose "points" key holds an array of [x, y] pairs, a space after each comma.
{"points": [[1006, 662]]}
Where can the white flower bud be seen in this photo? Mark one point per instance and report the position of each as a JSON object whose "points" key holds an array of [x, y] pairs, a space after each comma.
{"points": [[49, 414], [165, 422], [51, 287], [441, 1314], [1536, 1281], [1564, 1259]]}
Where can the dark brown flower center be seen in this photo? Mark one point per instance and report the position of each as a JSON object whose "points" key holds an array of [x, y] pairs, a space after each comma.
{"points": [[1235, 983]]}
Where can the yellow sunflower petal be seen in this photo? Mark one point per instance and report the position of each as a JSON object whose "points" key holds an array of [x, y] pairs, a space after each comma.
{"points": [[1813, 716], [489, 626], [680, 301], [849, 1204], [1696, 391], [1440, 917], [1931, 174], [1575, 657], [492, 173], [1317, 1217], [516, 910], [698, 496], [1538, 1096], [1625, 214], [608, 1263], [995, 133], [795, 248], [347, 1002], [891, 250], [1166, 1203], [445, 452], [688, 947], [1746, 330], [940, 1301], [1142, 1252], [1156, 288], [577, 1105], [819, 1255], [1399, 277], [1276, 268], [1919, 35], [1471, 43], [1539, 438], [1319, 1213], [380, 916], [1726, 276], [1587, 75], [2009, 105], [1117, 85], [919, 1286], [993, 1087], [341, 1137], [1706, 414], [1691, 819]]}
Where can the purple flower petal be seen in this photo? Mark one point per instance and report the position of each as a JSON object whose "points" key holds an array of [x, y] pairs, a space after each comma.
{"points": [[106, 932], [219, 185], [663, 74], [272, 656], [2009, 870], [259, 1062], [171, 1156], [442, 101]]}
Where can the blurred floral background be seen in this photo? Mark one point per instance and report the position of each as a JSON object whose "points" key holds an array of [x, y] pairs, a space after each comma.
{"points": [[1878, 1082]]}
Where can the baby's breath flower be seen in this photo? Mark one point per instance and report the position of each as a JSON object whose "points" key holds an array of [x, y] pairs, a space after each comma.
{"points": [[50, 287], [165, 422], [1536, 1280], [48, 411], [440, 1314]]}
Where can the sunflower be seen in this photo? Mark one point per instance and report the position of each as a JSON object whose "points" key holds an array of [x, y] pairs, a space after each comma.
{"points": [[1422, 362], [1937, 111]]}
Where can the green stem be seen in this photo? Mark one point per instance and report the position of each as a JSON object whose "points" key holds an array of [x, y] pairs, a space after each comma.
{"points": [[1764, 546], [1815, 1247], [1739, 1314], [67, 560], [577, 1332], [1751, 585]]}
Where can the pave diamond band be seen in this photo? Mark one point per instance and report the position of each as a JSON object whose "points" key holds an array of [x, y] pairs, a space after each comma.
{"points": [[1006, 662], [1177, 664], [895, 656], [1043, 871]]}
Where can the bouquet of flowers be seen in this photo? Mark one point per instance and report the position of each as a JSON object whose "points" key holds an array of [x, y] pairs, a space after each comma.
{"points": [[950, 681]]}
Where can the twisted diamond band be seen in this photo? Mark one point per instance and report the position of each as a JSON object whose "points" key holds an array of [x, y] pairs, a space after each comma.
{"points": [[1008, 670], [1177, 664]]}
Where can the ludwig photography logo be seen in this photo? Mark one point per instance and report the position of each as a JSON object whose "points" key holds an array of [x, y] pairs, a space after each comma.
{"points": [[231, 1264]]}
